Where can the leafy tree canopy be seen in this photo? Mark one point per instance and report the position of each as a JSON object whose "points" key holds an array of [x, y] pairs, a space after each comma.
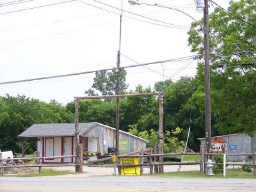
{"points": [[233, 66], [104, 82]]}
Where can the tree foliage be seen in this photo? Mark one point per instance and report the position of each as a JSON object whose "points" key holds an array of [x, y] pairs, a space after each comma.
{"points": [[105, 82], [233, 66], [18, 113]]}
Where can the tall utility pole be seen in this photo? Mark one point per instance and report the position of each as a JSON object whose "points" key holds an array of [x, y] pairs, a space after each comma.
{"points": [[161, 130], [118, 81], [207, 78], [79, 165]]}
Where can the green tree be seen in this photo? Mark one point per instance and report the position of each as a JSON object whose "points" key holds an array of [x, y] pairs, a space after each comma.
{"points": [[18, 113], [161, 86], [105, 82], [233, 66]]}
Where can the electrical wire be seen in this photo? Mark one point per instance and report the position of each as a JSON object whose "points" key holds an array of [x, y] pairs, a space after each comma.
{"points": [[11, 3], [150, 20], [148, 68], [135, 14], [93, 71], [146, 19], [38, 7]]}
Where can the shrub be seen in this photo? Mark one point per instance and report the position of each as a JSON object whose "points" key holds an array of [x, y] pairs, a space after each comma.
{"points": [[246, 168], [218, 168]]}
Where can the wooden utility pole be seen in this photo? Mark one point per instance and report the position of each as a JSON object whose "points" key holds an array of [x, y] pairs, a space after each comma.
{"points": [[160, 131], [118, 80], [207, 78], [79, 163]]}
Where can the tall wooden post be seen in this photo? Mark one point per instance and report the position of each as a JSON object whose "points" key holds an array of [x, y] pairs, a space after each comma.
{"points": [[202, 158], [22, 148], [79, 163], [254, 163], [207, 79], [160, 131]]}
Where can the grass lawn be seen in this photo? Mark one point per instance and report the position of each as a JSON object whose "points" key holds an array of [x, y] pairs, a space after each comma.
{"points": [[191, 157], [231, 173], [47, 172]]}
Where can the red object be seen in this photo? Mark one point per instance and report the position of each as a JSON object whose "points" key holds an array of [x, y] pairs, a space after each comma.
{"points": [[218, 140]]}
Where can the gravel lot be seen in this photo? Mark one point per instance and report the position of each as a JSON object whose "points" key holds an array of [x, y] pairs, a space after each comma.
{"points": [[108, 171]]}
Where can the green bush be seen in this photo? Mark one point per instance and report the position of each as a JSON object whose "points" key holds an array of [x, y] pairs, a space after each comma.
{"points": [[219, 167], [246, 168]]}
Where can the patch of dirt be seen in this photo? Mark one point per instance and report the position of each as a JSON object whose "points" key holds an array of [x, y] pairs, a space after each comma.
{"points": [[19, 171]]}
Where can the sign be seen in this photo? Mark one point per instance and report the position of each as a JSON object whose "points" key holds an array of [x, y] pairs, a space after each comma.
{"points": [[124, 145], [114, 158], [233, 147], [218, 145], [134, 169]]}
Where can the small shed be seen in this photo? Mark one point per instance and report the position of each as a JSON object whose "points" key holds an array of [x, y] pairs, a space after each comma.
{"points": [[58, 139], [235, 144]]}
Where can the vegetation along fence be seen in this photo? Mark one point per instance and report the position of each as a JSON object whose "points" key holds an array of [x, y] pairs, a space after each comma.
{"points": [[7, 164], [220, 162], [154, 163]]}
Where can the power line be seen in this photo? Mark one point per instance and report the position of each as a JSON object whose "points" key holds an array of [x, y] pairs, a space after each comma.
{"points": [[11, 3], [149, 19], [94, 71], [38, 7], [135, 14], [148, 68]]}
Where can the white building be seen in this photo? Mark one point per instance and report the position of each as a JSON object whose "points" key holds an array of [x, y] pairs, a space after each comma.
{"points": [[58, 140]]}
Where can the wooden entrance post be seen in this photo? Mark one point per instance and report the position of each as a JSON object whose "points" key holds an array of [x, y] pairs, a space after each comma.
{"points": [[202, 158], [254, 163], [161, 133], [79, 163]]}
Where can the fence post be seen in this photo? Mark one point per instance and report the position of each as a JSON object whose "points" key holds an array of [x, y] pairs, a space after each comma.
{"points": [[2, 171], [254, 164], [151, 162], [155, 160], [141, 163], [39, 168], [224, 164], [202, 159]]}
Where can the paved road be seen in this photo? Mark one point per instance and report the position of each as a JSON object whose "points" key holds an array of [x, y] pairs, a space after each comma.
{"points": [[78, 183]]}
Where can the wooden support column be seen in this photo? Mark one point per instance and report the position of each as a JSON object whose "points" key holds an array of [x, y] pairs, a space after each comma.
{"points": [[156, 166], [161, 132], [151, 162], [254, 164], [22, 148], [202, 158], [79, 163]]}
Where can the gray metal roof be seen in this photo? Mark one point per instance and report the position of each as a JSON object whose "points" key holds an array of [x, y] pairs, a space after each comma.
{"points": [[55, 129], [64, 129]]}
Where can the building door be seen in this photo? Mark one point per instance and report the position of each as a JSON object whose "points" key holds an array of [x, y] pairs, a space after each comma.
{"points": [[67, 149], [93, 144], [49, 149]]}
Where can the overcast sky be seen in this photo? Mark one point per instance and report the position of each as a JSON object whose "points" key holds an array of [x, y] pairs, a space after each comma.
{"points": [[83, 35]]}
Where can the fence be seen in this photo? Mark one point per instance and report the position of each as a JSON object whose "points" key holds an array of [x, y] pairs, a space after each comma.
{"points": [[156, 166], [32, 162], [151, 161], [154, 161]]}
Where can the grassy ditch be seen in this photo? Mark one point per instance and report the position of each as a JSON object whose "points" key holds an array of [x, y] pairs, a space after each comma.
{"points": [[46, 172], [231, 173]]}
